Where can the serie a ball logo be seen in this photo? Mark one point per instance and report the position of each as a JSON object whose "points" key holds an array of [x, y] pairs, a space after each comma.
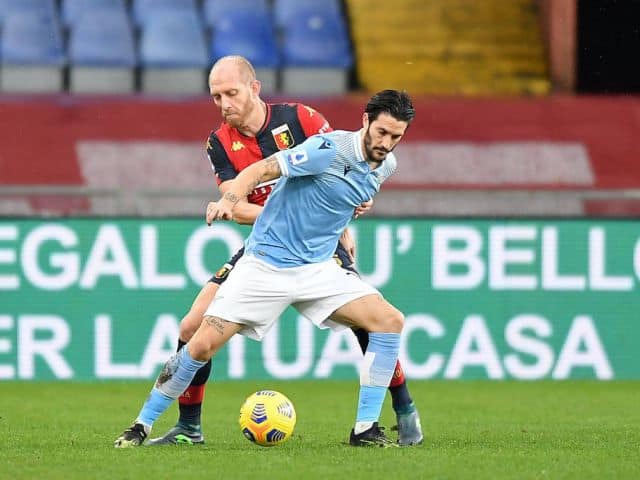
{"points": [[267, 418]]}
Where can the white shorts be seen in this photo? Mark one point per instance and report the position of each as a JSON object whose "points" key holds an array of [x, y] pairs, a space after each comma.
{"points": [[256, 293]]}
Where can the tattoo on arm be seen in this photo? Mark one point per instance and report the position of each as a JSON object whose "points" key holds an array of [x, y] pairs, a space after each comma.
{"points": [[233, 198], [271, 171], [216, 323], [273, 168], [255, 181]]}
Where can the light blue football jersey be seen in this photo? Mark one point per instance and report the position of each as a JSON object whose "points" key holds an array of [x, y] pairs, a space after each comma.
{"points": [[323, 180]]}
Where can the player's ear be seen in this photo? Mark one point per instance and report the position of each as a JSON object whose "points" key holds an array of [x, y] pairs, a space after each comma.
{"points": [[255, 87], [365, 120]]}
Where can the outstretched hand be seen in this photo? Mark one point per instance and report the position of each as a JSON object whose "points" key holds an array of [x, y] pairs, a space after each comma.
{"points": [[363, 208]]}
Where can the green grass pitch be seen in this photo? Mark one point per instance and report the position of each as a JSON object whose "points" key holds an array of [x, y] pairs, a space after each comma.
{"points": [[474, 430]]}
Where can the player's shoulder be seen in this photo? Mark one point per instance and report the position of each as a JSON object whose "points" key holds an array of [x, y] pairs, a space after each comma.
{"points": [[306, 110], [220, 142], [287, 107], [340, 139], [387, 168], [326, 141], [304, 113], [391, 161], [311, 116], [213, 140], [293, 106], [293, 109], [216, 134], [339, 134], [300, 115], [284, 112]]}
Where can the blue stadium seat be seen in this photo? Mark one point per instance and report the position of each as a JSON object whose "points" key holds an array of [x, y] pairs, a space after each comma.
{"points": [[32, 38], [214, 10], [316, 54], [248, 33], [102, 38], [175, 40], [11, 7], [73, 10], [316, 39], [102, 52], [287, 12], [173, 54], [32, 53], [144, 10]]}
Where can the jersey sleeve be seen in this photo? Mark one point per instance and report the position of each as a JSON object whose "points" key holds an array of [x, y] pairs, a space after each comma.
{"points": [[311, 157], [219, 159], [312, 121]]}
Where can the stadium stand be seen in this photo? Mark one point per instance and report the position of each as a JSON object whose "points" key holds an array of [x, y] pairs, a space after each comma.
{"points": [[485, 156], [73, 11], [144, 10], [214, 9], [173, 53], [296, 46], [32, 53], [102, 53], [288, 12], [442, 47], [249, 33], [11, 7], [316, 53]]}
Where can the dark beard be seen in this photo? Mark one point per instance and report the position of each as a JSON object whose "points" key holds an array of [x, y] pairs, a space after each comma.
{"points": [[368, 151]]}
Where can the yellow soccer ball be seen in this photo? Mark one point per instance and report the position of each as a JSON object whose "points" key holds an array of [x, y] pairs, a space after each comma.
{"points": [[267, 418]]}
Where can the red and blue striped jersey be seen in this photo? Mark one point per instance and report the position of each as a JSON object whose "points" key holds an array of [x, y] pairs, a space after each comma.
{"points": [[286, 125]]}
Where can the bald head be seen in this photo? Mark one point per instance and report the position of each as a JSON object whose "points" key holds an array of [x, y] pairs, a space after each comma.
{"points": [[232, 67], [236, 92]]}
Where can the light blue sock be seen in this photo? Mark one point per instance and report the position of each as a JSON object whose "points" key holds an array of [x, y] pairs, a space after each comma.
{"points": [[375, 374], [174, 379]]}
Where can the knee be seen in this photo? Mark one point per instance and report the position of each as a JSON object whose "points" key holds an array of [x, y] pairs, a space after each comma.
{"points": [[389, 320], [199, 349], [395, 321], [188, 327]]}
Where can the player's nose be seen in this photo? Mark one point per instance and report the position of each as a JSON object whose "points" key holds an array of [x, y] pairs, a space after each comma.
{"points": [[225, 104]]}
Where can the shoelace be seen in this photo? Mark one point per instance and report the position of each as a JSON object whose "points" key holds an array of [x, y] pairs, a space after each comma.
{"points": [[379, 434], [139, 430]]}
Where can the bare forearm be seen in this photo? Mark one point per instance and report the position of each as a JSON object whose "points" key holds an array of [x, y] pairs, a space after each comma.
{"points": [[241, 187], [245, 213], [250, 177]]}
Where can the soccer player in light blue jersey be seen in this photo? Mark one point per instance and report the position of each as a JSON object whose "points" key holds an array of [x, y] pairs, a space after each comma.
{"points": [[288, 261]]}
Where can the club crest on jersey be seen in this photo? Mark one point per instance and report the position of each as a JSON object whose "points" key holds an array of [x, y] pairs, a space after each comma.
{"points": [[224, 271], [283, 137]]}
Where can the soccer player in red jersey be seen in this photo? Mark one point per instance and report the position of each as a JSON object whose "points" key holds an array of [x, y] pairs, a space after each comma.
{"points": [[253, 130]]}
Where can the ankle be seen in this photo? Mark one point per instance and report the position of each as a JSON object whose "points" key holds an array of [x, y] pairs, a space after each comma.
{"points": [[405, 409], [191, 427], [362, 427]]}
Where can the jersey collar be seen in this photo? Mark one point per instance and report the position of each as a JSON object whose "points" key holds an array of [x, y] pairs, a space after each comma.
{"points": [[357, 145], [267, 118]]}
